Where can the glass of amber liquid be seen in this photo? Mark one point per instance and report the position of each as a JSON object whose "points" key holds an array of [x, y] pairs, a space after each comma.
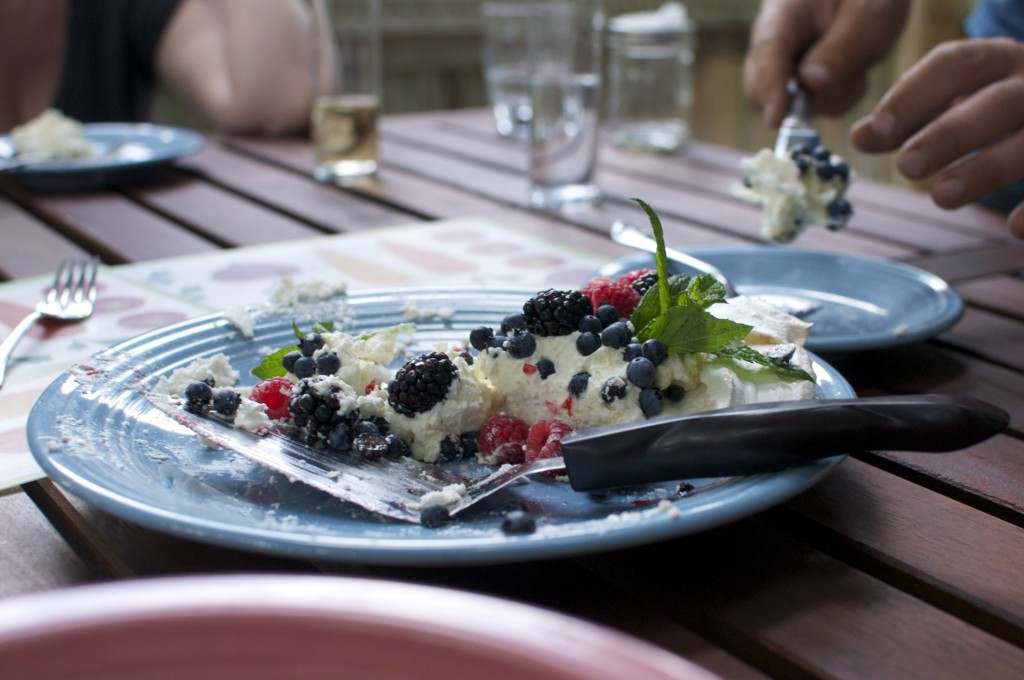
{"points": [[346, 89]]}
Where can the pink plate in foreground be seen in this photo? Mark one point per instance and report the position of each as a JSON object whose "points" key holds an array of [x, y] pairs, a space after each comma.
{"points": [[309, 627]]}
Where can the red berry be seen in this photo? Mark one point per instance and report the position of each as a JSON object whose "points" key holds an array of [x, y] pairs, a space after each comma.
{"points": [[502, 439], [273, 393], [619, 294], [631, 277], [545, 439]]}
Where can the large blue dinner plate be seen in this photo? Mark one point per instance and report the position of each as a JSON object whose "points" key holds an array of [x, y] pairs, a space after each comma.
{"points": [[123, 151], [857, 303], [102, 440]]}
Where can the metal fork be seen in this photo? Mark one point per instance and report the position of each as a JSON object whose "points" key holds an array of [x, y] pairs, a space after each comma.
{"points": [[795, 131], [70, 298]]}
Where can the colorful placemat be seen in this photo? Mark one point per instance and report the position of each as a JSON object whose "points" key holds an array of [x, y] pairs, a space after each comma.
{"points": [[139, 297]]}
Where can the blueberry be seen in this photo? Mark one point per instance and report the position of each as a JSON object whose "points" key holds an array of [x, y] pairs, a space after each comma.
{"points": [[304, 367], [640, 372], [225, 402], [370, 446], [452, 448], [842, 170], [545, 367], [288, 361], [651, 401], [324, 414], [675, 392], [578, 384], [470, 443], [825, 170], [480, 337], [311, 343], [590, 324], [612, 389], [588, 343], [518, 522], [632, 351], [521, 344], [615, 336], [802, 164], [607, 314], [822, 153], [366, 427], [513, 322], [328, 363], [306, 403], [655, 350], [339, 439], [803, 150], [198, 394], [397, 448], [498, 341], [839, 208], [434, 515]]}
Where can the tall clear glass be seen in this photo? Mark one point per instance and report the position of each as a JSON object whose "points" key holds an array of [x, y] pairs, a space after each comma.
{"points": [[566, 46], [346, 89], [505, 55]]}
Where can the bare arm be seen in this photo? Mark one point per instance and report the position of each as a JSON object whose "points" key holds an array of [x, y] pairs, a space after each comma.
{"points": [[244, 64], [957, 117], [830, 45]]}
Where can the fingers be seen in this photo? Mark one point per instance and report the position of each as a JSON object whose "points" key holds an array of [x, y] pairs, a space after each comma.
{"points": [[861, 33], [980, 174], [1016, 221], [948, 72], [780, 34]]}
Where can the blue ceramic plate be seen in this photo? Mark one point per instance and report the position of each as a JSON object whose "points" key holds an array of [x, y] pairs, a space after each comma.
{"points": [[124, 151], [110, 446], [856, 303]]}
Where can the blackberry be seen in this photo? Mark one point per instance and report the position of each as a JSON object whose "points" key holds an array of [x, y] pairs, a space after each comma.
{"points": [[470, 443], [556, 312], [421, 383], [316, 414], [645, 282], [452, 449], [198, 394]]}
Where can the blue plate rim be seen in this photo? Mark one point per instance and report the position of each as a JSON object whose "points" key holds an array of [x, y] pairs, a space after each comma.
{"points": [[952, 305], [448, 546]]}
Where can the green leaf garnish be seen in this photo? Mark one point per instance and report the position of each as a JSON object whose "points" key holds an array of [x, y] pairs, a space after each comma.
{"points": [[273, 364], [675, 312]]}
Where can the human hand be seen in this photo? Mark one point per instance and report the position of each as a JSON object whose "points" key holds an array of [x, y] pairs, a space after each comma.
{"points": [[830, 45], [956, 116]]}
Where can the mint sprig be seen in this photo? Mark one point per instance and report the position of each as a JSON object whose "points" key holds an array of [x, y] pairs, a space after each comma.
{"points": [[675, 312]]}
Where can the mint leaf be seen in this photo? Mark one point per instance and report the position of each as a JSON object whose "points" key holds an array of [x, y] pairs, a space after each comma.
{"points": [[660, 256], [705, 290], [273, 364], [688, 330], [650, 304], [747, 353]]}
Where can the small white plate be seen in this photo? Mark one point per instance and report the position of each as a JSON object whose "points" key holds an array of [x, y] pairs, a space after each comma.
{"points": [[856, 303], [121, 153]]}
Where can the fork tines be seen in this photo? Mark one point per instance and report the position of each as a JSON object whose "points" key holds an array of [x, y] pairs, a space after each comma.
{"points": [[75, 279]]}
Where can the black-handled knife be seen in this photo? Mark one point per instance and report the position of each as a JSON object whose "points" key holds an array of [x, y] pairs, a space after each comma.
{"points": [[767, 437]]}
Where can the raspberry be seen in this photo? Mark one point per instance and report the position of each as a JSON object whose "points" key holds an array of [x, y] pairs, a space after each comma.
{"points": [[421, 383], [635, 275], [556, 312], [273, 393], [502, 439], [619, 294], [545, 439]]}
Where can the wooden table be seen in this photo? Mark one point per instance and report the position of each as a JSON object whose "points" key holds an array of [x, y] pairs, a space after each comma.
{"points": [[896, 565]]}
